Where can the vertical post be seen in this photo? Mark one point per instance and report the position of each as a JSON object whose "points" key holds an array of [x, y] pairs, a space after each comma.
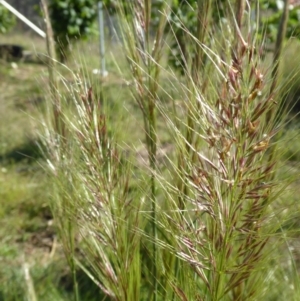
{"points": [[103, 71]]}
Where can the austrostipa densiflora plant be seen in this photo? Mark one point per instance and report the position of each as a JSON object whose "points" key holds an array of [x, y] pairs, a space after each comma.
{"points": [[97, 219], [226, 230], [144, 57], [206, 227]]}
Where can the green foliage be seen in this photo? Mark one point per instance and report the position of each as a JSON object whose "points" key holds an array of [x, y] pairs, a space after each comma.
{"points": [[271, 14], [71, 19], [7, 20]]}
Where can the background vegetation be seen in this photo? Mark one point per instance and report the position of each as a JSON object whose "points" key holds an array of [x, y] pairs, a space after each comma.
{"points": [[71, 20], [7, 20], [116, 173]]}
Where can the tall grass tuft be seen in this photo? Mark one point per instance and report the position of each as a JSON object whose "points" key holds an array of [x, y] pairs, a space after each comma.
{"points": [[204, 226], [224, 233]]}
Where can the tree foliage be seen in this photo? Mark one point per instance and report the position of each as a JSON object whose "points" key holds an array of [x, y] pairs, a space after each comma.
{"points": [[271, 19], [7, 20], [71, 19]]}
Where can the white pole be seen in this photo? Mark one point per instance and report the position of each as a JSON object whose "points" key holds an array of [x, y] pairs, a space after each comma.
{"points": [[103, 71], [23, 18]]}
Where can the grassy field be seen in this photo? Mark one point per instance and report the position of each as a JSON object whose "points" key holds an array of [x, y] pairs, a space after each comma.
{"points": [[28, 240], [32, 262], [28, 237]]}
